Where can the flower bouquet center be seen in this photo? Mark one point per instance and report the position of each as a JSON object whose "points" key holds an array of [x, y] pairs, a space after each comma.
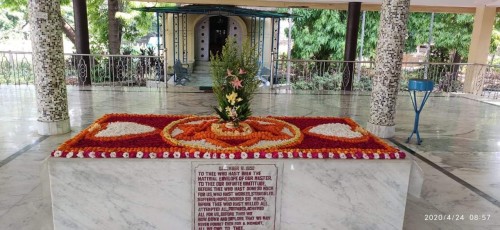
{"points": [[233, 75], [228, 129]]}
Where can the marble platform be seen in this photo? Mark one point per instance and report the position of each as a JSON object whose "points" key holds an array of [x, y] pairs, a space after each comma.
{"points": [[158, 193]]}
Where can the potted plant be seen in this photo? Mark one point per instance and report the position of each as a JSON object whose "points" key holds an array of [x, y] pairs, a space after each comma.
{"points": [[233, 75]]}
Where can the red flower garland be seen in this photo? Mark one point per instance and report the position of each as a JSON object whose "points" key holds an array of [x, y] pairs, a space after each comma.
{"points": [[152, 145]]}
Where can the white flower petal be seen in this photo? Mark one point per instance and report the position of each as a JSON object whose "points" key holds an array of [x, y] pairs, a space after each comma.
{"points": [[335, 130], [57, 153], [121, 128]]}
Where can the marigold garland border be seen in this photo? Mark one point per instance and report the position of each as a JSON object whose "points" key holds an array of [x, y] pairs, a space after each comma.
{"points": [[67, 151]]}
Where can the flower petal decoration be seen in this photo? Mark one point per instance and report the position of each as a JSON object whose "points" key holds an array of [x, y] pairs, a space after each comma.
{"points": [[229, 73], [232, 97], [337, 132], [216, 136], [120, 129], [187, 136], [236, 83]]}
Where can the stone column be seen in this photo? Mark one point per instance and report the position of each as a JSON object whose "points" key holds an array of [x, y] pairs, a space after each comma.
{"points": [[351, 43], [82, 41], [391, 37], [48, 64], [479, 47]]}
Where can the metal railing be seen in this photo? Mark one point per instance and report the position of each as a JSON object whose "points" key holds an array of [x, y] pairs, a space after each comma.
{"points": [[81, 69], [488, 81], [328, 75], [16, 68], [130, 70]]}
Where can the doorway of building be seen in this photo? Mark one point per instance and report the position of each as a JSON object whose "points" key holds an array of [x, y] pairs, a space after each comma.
{"points": [[218, 33]]}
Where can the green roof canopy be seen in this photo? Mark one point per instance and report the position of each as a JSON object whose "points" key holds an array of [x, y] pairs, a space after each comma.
{"points": [[224, 10]]}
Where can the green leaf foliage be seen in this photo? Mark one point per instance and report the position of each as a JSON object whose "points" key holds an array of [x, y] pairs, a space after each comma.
{"points": [[135, 24], [320, 34]]}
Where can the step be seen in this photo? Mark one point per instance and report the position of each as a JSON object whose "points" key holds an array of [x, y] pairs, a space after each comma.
{"points": [[202, 63], [201, 76], [201, 68], [201, 72]]}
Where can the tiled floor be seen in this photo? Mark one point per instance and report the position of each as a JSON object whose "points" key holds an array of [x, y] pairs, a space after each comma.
{"points": [[461, 138]]}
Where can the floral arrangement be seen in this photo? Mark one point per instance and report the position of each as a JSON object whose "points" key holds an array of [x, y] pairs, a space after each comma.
{"points": [[233, 75], [187, 136]]}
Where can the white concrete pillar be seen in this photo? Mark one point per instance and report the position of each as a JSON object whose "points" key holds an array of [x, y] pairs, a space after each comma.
{"points": [[391, 38], [479, 46], [48, 64]]}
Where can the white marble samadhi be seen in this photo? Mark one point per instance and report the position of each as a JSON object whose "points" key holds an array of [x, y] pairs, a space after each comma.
{"points": [[157, 194]]}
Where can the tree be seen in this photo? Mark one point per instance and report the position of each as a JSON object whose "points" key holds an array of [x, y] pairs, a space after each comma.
{"points": [[21, 6], [125, 25], [11, 23], [67, 20], [372, 19], [320, 34], [114, 26], [451, 35]]}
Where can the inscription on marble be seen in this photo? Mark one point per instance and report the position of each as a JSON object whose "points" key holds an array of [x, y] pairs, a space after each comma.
{"points": [[235, 196]]}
